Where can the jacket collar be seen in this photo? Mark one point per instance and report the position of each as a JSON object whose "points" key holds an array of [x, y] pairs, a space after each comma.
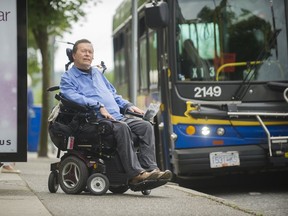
{"points": [[77, 73]]}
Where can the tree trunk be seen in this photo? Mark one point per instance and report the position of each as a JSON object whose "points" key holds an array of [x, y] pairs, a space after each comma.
{"points": [[42, 40]]}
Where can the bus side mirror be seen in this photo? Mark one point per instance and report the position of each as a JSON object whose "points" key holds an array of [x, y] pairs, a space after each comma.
{"points": [[156, 14]]}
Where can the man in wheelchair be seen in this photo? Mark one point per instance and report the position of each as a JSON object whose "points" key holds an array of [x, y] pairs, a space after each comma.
{"points": [[87, 86]]}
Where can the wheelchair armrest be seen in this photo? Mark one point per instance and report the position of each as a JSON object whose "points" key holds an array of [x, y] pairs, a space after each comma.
{"points": [[133, 113], [72, 104], [138, 115], [125, 111]]}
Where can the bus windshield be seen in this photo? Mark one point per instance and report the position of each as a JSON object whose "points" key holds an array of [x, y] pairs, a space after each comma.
{"points": [[231, 40]]}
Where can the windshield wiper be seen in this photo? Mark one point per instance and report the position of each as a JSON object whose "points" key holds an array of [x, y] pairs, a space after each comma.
{"points": [[274, 27], [242, 89], [252, 69]]}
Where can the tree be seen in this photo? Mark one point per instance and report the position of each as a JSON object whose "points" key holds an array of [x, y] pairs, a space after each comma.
{"points": [[48, 18]]}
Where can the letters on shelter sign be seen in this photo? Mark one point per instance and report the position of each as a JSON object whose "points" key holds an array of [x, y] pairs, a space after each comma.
{"points": [[4, 15], [5, 142]]}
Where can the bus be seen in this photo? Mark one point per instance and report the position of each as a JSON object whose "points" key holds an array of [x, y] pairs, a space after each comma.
{"points": [[219, 69]]}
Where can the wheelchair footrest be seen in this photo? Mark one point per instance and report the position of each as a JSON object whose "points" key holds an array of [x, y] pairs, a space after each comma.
{"points": [[147, 185]]}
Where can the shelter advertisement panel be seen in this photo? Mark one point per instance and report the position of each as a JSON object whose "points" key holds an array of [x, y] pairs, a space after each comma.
{"points": [[13, 80]]}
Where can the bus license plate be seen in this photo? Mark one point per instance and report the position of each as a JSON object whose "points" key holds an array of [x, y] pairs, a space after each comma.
{"points": [[224, 159]]}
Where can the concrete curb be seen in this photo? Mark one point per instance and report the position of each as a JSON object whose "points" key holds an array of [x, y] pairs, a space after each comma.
{"points": [[213, 198]]}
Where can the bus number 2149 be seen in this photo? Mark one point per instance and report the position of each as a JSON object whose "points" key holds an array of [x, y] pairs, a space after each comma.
{"points": [[212, 91]]}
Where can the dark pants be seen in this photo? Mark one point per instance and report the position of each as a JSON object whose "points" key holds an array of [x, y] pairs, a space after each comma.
{"points": [[146, 159]]}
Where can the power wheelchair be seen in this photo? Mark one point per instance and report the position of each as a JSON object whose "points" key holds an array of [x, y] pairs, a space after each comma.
{"points": [[90, 161]]}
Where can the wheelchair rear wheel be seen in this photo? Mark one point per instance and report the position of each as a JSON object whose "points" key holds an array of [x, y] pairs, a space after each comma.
{"points": [[98, 184], [73, 175]]}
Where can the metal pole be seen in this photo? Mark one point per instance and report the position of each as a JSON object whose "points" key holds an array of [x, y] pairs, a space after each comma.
{"points": [[134, 52]]}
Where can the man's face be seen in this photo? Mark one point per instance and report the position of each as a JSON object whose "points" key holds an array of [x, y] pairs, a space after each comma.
{"points": [[83, 56]]}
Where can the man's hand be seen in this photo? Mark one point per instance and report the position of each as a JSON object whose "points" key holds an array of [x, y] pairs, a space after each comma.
{"points": [[136, 110], [105, 113]]}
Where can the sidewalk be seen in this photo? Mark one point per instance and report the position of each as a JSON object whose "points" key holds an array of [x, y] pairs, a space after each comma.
{"points": [[18, 198]]}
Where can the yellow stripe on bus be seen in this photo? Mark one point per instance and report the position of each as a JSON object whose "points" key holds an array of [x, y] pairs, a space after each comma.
{"points": [[186, 120]]}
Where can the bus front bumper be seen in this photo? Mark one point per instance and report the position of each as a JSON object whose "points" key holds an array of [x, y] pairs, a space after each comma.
{"points": [[253, 158]]}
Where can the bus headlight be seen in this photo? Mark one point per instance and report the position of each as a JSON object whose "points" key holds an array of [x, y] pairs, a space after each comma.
{"points": [[220, 131], [205, 131]]}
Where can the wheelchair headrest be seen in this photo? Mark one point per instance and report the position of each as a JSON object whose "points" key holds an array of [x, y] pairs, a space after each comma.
{"points": [[69, 54]]}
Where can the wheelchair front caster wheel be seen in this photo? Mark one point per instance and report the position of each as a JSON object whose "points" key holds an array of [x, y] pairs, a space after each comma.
{"points": [[146, 192], [98, 184], [53, 181]]}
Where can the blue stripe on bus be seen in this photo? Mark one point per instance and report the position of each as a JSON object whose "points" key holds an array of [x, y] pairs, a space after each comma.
{"points": [[240, 135]]}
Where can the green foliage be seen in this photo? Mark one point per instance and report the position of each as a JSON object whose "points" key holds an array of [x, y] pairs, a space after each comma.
{"points": [[57, 16], [33, 64], [110, 76]]}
